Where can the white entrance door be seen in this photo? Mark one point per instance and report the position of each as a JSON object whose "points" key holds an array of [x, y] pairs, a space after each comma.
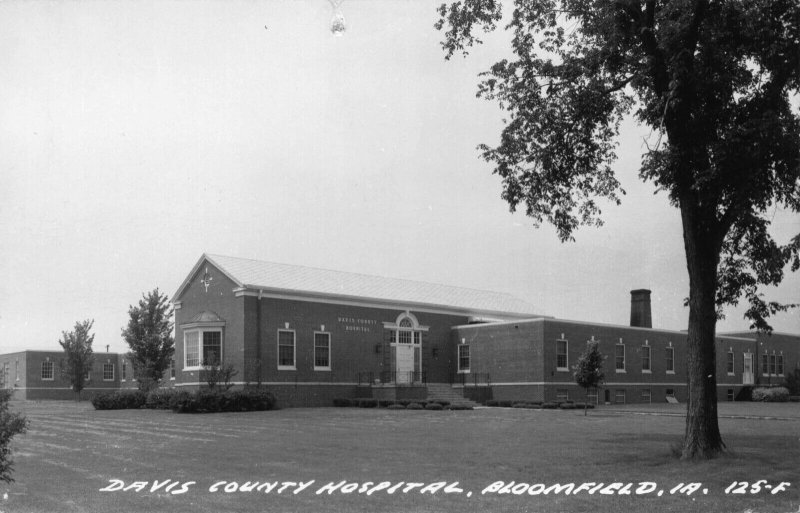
{"points": [[405, 363], [747, 374]]}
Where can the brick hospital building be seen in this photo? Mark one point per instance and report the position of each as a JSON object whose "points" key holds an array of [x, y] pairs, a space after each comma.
{"points": [[312, 335]]}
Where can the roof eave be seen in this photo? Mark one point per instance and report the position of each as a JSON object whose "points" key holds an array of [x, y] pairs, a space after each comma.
{"points": [[250, 289]]}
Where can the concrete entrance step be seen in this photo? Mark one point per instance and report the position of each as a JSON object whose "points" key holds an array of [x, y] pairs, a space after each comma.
{"points": [[445, 392]]}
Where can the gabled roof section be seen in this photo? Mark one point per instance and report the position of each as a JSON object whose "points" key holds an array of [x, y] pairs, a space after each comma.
{"points": [[308, 281]]}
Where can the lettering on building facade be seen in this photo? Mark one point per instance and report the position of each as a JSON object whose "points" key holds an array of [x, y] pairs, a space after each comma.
{"points": [[356, 324]]}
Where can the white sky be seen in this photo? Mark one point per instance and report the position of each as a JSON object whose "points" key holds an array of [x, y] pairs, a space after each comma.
{"points": [[136, 135]]}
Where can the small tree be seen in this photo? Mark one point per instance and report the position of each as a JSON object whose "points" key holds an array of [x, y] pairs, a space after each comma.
{"points": [[10, 424], [589, 369], [217, 373], [149, 336], [78, 355]]}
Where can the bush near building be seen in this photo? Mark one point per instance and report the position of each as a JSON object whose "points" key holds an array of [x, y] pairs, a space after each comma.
{"points": [[119, 400], [771, 395], [214, 401], [183, 401]]}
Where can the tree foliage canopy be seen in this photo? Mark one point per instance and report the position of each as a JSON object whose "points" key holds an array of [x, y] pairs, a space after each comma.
{"points": [[712, 79], [714, 82], [10, 424], [78, 354], [588, 370], [149, 336]]}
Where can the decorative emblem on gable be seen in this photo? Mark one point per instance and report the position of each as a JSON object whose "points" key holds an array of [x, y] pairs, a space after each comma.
{"points": [[207, 278]]}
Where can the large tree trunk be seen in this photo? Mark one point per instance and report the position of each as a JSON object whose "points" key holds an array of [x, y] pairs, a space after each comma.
{"points": [[702, 438]]}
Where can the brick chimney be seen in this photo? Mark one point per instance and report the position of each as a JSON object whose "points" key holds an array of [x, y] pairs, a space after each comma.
{"points": [[640, 309]]}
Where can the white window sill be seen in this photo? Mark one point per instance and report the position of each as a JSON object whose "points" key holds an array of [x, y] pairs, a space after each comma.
{"points": [[645, 371], [670, 372], [287, 367], [562, 369], [322, 369], [620, 371]]}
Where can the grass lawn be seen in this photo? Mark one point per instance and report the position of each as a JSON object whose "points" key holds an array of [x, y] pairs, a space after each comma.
{"points": [[72, 452]]}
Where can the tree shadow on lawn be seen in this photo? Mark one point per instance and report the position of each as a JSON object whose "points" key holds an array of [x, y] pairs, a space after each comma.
{"points": [[749, 457]]}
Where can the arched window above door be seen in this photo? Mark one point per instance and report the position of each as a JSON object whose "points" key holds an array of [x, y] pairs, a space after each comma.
{"points": [[407, 329]]}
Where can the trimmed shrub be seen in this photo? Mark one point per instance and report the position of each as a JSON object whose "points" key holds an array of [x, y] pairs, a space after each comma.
{"points": [[434, 406], [505, 404], [212, 401], [255, 399], [159, 398], [414, 406], [367, 403], [458, 407], [396, 406], [492, 403], [581, 406], [771, 395], [567, 406], [549, 406], [342, 402], [385, 403], [794, 398], [519, 405], [441, 401], [119, 400]]}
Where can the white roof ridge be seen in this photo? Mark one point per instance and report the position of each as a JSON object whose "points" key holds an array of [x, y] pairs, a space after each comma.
{"points": [[253, 274], [408, 280]]}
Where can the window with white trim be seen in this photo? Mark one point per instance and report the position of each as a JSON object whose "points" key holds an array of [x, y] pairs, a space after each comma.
{"points": [[124, 370], [47, 371], [730, 363], [765, 364], [172, 369], [645, 359], [562, 394], [646, 395], [780, 364], [463, 358], [322, 351], [202, 347], [670, 356], [108, 372], [561, 355], [619, 357], [286, 350], [773, 363], [619, 396]]}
